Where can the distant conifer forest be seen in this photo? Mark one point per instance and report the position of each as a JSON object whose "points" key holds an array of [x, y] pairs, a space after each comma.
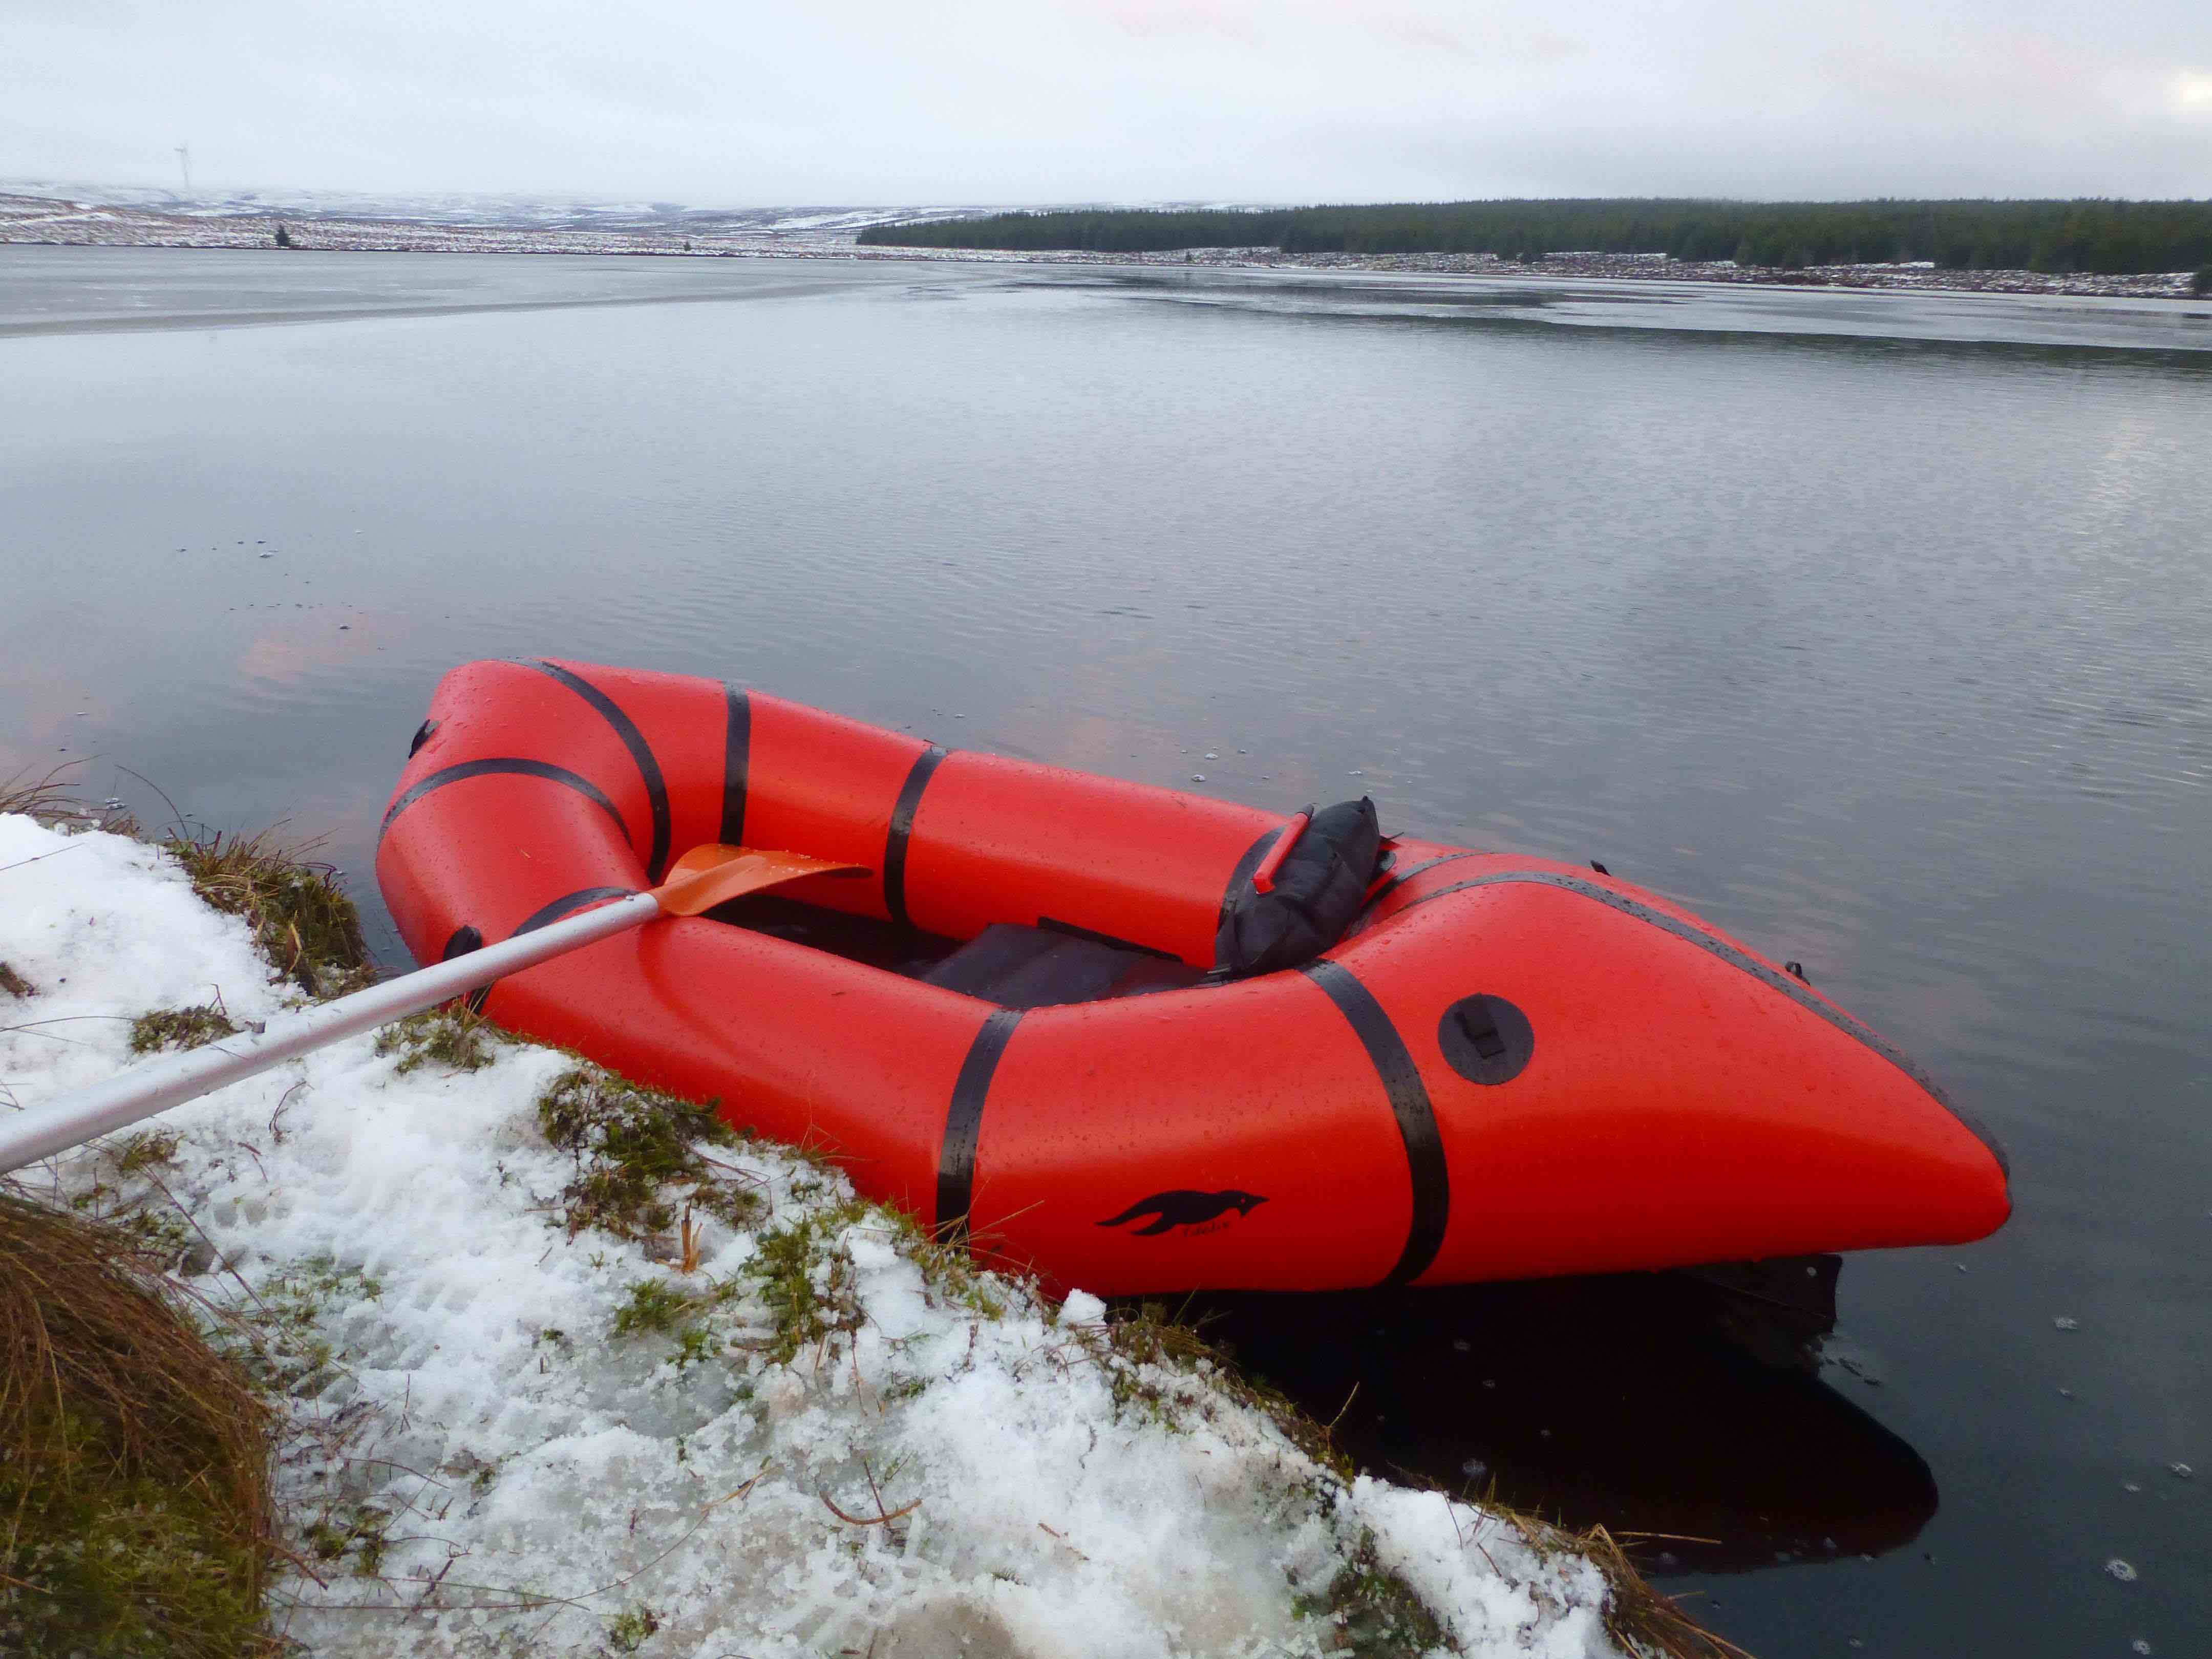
{"points": [[2104, 237]]}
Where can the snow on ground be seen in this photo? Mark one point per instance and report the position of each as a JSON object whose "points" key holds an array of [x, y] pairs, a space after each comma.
{"points": [[490, 1449]]}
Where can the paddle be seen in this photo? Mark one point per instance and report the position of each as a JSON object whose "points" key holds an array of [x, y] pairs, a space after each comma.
{"points": [[702, 878]]}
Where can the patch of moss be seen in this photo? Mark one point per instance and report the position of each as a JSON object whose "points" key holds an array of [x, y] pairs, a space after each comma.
{"points": [[1139, 1342], [807, 1279], [284, 1350], [161, 1236], [1375, 1610], [301, 918], [637, 1159], [664, 1307], [181, 1028], [627, 1631], [150, 1149], [695, 1344], [14, 984], [948, 1267], [655, 1305], [356, 1531], [155, 1235], [133, 1462], [455, 1036]]}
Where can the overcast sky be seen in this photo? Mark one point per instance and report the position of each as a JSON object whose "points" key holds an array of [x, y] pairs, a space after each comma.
{"points": [[736, 102]]}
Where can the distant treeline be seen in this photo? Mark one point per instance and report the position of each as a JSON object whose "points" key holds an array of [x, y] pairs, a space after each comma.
{"points": [[2091, 235]]}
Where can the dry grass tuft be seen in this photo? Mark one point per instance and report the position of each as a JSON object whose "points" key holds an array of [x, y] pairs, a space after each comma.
{"points": [[1637, 1616], [47, 797], [301, 918], [181, 1028], [14, 984], [134, 1462]]}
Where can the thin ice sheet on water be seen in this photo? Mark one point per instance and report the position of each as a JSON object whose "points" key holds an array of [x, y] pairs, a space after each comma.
{"points": [[538, 1482]]}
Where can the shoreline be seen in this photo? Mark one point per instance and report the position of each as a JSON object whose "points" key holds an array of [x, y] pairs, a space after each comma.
{"points": [[449, 1265], [48, 221]]}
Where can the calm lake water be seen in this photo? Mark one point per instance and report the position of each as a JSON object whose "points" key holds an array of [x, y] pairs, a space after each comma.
{"points": [[1877, 628]]}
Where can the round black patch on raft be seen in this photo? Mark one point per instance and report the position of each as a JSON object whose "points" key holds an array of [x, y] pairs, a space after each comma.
{"points": [[1486, 1039]]}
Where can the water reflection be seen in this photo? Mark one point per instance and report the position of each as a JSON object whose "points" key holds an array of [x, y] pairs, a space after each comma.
{"points": [[1685, 1407]]}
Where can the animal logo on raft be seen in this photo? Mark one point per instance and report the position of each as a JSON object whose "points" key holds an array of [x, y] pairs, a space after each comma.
{"points": [[1198, 1212]]}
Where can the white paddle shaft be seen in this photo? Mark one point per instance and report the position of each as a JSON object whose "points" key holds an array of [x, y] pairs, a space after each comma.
{"points": [[143, 1091]]}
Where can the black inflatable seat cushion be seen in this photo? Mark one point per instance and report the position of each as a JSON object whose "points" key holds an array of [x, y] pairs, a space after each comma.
{"points": [[1318, 891], [1019, 967]]}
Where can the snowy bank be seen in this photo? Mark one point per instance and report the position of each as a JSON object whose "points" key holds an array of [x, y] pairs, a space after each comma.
{"points": [[564, 1367]]}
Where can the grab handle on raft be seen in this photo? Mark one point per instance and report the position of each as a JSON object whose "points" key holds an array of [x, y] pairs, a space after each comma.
{"points": [[702, 878], [1263, 878]]}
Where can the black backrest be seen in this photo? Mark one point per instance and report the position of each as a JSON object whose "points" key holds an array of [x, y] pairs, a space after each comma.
{"points": [[1318, 891]]}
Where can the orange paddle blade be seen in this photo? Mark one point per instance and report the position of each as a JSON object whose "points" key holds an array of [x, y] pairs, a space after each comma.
{"points": [[714, 873]]}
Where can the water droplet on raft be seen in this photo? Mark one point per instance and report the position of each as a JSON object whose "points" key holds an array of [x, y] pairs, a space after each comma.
{"points": [[2121, 1570], [2065, 1324]]}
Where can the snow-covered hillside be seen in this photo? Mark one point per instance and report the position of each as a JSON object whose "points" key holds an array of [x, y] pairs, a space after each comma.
{"points": [[514, 212]]}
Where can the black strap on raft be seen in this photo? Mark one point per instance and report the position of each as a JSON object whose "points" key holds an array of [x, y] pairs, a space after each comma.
{"points": [[1318, 888]]}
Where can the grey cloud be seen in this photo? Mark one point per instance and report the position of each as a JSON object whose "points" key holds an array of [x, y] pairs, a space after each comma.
{"points": [[1260, 99]]}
